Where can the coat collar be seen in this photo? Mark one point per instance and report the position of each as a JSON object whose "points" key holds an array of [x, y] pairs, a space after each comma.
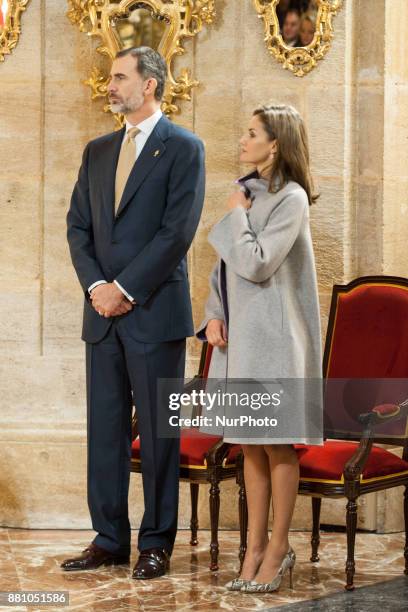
{"points": [[247, 177], [254, 182]]}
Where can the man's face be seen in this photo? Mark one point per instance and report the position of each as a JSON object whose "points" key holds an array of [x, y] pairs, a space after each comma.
{"points": [[126, 86], [291, 27]]}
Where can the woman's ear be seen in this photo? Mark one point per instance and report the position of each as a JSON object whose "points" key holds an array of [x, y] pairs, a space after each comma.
{"points": [[274, 146]]}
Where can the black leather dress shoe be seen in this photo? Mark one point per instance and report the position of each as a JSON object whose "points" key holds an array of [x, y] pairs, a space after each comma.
{"points": [[152, 563], [92, 557]]}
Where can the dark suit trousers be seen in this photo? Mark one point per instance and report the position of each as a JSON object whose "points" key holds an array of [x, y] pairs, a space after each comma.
{"points": [[117, 366]]}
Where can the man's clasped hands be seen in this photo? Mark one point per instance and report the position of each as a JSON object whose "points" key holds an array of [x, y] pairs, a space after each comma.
{"points": [[109, 301]]}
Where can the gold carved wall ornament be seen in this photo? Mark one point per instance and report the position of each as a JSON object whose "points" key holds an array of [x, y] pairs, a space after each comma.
{"points": [[10, 26], [161, 24], [298, 54]]}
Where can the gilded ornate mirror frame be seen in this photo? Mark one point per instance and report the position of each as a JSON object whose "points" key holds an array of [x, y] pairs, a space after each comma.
{"points": [[11, 14], [185, 18], [299, 60]]}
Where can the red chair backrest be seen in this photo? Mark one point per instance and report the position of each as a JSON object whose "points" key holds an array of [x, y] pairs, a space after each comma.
{"points": [[367, 338], [369, 334]]}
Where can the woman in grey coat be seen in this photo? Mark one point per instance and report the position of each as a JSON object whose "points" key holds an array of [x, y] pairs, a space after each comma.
{"points": [[262, 318]]}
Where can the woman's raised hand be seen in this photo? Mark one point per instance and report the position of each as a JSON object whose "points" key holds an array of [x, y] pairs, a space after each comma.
{"points": [[216, 332], [238, 198]]}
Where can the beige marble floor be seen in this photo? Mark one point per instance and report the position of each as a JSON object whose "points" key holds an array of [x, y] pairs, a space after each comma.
{"points": [[29, 560]]}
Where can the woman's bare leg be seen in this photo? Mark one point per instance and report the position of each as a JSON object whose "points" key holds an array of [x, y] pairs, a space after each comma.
{"points": [[258, 492], [284, 470]]}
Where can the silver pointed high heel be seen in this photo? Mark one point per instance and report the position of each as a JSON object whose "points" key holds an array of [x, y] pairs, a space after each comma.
{"points": [[236, 584], [288, 563]]}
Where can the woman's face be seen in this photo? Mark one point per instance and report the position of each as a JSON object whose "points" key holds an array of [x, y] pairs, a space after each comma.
{"points": [[307, 31], [256, 148]]}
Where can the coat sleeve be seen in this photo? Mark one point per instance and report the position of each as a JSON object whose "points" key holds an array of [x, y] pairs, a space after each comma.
{"points": [[256, 257], [161, 256], [80, 233], [213, 307]]}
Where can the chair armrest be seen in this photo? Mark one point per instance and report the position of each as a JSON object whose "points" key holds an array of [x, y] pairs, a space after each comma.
{"points": [[195, 384], [355, 465], [384, 413], [217, 453]]}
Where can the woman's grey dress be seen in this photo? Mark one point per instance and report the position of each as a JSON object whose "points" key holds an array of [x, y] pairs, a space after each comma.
{"points": [[264, 286]]}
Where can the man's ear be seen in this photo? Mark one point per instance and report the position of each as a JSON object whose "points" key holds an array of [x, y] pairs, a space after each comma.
{"points": [[150, 86]]}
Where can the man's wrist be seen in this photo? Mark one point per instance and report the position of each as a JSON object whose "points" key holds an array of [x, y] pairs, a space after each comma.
{"points": [[125, 293], [92, 287]]}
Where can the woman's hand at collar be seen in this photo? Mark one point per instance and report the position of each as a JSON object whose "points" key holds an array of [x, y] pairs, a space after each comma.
{"points": [[238, 198]]}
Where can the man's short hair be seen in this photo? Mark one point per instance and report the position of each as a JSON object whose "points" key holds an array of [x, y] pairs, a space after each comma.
{"points": [[294, 10], [150, 64]]}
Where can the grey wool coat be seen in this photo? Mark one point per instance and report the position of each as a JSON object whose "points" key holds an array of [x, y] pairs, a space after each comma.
{"points": [[264, 287]]}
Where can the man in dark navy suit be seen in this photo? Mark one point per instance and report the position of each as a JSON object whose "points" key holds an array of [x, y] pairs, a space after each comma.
{"points": [[133, 215]]}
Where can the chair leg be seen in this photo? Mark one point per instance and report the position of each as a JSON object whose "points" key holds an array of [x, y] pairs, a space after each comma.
{"points": [[194, 488], [406, 529], [242, 511], [351, 524], [316, 506], [214, 518]]}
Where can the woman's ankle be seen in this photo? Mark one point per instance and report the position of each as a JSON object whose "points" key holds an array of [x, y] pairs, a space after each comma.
{"points": [[251, 564], [279, 547], [258, 547], [280, 543]]}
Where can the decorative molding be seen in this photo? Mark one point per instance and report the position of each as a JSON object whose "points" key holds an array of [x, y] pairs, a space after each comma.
{"points": [[299, 60], [184, 18], [12, 25]]}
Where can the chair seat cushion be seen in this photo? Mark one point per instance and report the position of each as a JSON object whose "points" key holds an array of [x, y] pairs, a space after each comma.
{"points": [[326, 463], [193, 447]]}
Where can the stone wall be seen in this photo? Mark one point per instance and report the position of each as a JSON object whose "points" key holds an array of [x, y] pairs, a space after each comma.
{"points": [[354, 104]]}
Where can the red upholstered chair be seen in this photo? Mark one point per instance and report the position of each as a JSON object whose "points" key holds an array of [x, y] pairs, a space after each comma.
{"points": [[367, 347], [365, 368], [205, 458]]}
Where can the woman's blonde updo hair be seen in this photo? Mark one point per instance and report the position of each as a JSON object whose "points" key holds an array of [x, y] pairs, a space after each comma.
{"points": [[291, 162]]}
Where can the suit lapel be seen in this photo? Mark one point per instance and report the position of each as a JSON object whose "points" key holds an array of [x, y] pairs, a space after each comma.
{"points": [[150, 155]]}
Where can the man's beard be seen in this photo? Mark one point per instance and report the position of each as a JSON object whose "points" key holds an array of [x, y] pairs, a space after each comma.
{"points": [[129, 105]]}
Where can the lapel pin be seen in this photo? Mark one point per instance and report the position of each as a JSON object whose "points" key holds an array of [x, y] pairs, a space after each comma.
{"points": [[156, 153]]}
